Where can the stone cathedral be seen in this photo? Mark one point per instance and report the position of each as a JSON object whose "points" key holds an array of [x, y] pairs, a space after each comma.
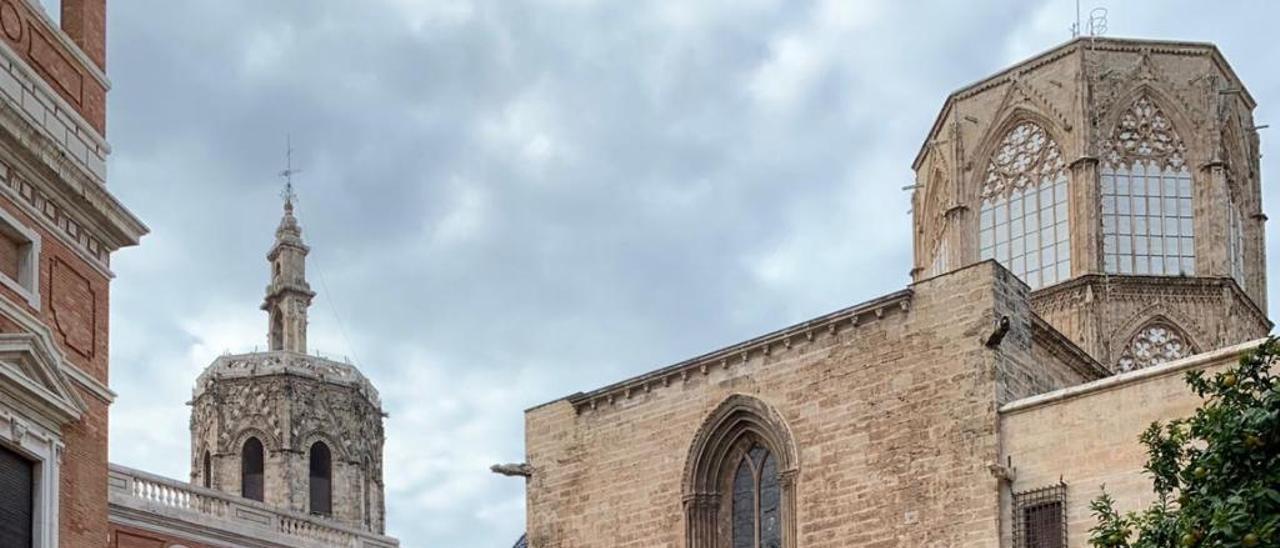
{"points": [[292, 430], [1087, 227], [286, 446]]}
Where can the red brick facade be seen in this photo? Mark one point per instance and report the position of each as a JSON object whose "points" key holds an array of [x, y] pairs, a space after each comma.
{"points": [[52, 194], [76, 75], [130, 537]]}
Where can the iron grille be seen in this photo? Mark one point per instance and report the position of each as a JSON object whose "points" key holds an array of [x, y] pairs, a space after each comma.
{"points": [[1040, 517]]}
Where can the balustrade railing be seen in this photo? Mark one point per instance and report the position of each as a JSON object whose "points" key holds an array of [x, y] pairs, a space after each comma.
{"points": [[230, 515]]}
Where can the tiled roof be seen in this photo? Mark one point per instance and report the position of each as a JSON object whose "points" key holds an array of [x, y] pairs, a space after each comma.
{"points": [[523, 542]]}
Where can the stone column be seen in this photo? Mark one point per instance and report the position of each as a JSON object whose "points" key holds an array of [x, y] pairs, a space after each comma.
{"points": [[787, 481], [1084, 212], [700, 518]]}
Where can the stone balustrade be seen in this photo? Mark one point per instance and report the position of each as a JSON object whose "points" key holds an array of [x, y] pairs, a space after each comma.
{"points": [[164, 505]]}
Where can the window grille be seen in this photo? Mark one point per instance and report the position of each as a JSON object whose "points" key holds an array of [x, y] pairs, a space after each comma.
{"points": [[1040, 517]]}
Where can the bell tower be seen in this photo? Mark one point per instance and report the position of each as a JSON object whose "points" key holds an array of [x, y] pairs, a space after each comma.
{"points": [[295, 431], [1119, 179], [288, 294]]}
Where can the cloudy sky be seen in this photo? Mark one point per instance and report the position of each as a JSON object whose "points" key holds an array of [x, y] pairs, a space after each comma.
{"points": [[512, 200]]}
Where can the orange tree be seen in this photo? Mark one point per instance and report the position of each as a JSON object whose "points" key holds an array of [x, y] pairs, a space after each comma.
{"points": [[1216, 474]]}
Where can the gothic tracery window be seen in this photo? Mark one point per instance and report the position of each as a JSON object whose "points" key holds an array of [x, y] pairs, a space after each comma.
{"points": [[739, 489], [251, 460], [1147, 215], [1023, 221], [756, 501], [1156, 343]]}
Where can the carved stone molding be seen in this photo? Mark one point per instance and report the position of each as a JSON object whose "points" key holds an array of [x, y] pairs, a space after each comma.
{"points": [[738, 421], [1157, 342], [1026, 156], [1144, 134]]}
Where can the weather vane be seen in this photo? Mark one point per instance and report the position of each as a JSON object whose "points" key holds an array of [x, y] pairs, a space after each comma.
{"points": [[288, 194]]}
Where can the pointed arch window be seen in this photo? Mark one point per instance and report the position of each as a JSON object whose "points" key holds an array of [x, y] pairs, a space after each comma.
{"points": [[756, 500], [276, 339], [1147, 211], [321, 479], [1156, 343], [1023, 221], [251, 461], [740, 479]]}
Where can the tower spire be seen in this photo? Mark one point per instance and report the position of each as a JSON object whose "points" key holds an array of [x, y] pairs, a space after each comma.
{"points": [[288, 173], [288, 294]]}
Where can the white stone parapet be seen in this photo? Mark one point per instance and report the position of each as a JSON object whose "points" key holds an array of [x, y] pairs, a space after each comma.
{"points": [[163, 505]]}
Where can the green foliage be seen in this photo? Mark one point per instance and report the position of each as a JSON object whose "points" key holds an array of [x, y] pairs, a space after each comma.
{"points": [[1216, 474]]}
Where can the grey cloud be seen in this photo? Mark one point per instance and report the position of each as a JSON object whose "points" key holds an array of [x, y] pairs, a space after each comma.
{"points": [[509, 201]]}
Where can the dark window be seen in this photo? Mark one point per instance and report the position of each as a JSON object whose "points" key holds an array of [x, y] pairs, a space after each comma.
{"points": [[321, 479], [17, 483], [207, 471], [1040, 518], [251, 470], [756, 501], [277, 331]]}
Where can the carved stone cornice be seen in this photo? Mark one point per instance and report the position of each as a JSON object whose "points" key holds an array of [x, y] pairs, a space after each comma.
{"points": [[280, 362], [1129, 45], [783, 339], [1060, 346]]}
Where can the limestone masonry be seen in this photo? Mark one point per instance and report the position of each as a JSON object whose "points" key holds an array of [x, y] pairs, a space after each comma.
{"points": [[1087, 226]]}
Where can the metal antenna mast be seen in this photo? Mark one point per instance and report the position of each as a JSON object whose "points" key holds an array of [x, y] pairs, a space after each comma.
{"points": [[288, 173]]}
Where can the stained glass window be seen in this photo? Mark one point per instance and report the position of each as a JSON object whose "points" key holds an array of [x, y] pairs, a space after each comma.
{"points": [[1023, 221], [756, 501], [1147, 212], [1154, 344]]}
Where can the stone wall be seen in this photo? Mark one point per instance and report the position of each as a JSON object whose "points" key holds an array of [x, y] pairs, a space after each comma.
{"points": [[1087, 436], [288, 409], [1078, 93], [891, 405], [1103, 312]]}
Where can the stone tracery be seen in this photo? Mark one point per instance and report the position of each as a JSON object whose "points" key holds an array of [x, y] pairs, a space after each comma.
{"points": [[1144, 134], [1026, 156], [1156, 343]]}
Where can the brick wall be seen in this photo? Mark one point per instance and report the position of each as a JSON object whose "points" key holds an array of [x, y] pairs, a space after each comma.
{"points": [[893, 418], [75, 308], [130, 537], [70, 59]]}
